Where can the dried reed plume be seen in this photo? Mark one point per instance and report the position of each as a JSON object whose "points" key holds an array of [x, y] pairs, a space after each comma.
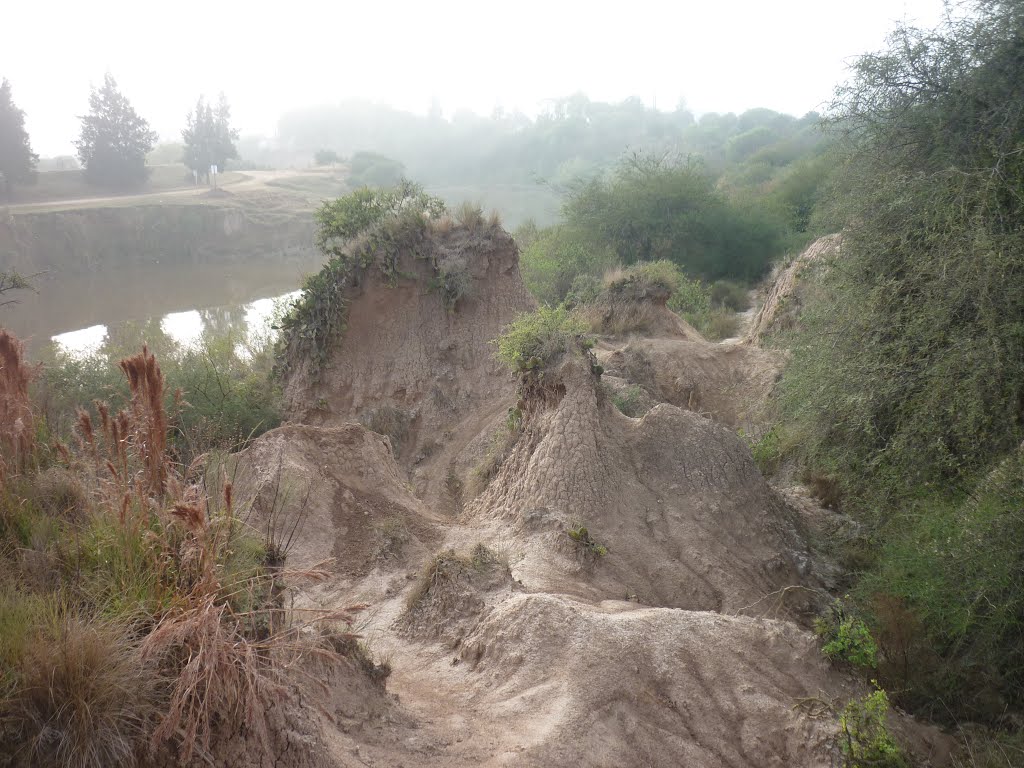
{"points": [[146, 382], [17, 432]]}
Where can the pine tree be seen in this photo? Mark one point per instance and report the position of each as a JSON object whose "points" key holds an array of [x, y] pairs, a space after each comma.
{"points": [[196, 136], [225, 135], [114, 139], [209, 138], [17, 161]]}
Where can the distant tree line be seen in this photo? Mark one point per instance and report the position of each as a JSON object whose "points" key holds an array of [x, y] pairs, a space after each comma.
{"points": [[115, 140]]}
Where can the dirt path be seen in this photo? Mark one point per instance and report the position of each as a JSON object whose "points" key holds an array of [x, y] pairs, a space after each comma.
{"points": [[746, 319], [248, 181]]}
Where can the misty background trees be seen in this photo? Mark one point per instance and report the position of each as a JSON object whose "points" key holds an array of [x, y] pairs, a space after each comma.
{"points": [[209, 138], [114, 139], [17, 160]]}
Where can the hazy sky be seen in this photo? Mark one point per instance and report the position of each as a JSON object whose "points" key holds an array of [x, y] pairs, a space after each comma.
{"points": [[718, 55]]}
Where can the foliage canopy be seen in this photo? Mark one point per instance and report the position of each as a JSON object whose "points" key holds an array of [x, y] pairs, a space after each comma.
{"points": [[209, 138], [659, 207], [114, 140], [907, 380], [17, 160]]}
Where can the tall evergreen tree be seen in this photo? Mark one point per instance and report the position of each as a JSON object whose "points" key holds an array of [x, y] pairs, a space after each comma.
{"points": [[114, 140], [17, 161], [209, 138]]}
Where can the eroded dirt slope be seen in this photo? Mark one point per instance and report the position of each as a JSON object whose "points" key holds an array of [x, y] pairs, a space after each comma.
{"points": [[668, 633], [425, 370]]}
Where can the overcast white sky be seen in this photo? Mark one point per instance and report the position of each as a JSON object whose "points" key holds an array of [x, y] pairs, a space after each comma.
{"points": [[718, 55]]}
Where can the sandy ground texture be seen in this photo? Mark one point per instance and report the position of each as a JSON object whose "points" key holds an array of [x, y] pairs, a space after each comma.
{"points": [[672, 632]]}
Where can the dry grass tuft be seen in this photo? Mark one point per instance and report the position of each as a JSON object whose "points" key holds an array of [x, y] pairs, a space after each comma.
{"points": [[146, 383], [445, 571], [17, 431], [471, 217], [86, 697], [220, 677], [443, 225]]}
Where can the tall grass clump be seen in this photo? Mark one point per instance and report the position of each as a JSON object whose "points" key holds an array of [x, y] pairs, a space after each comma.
{"points": [[219, 392], [141, 619], [17, 432]]}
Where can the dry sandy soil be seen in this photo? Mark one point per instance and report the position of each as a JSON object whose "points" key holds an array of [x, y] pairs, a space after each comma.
{"points": [[672, 632]]}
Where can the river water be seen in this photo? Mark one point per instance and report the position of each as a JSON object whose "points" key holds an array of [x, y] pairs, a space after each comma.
{"points": [[80, 314]]}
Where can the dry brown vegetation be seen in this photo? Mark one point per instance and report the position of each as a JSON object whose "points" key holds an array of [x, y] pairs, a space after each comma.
{"points": [[17, 432], [140, 619]]}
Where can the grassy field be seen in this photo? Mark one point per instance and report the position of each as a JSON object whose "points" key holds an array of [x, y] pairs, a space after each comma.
{"points": [[324, 183], [54, 186]]}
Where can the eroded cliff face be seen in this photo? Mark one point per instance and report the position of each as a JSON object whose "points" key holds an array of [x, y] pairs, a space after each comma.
{"points": [[421, 371], [80, 241], [671, 631]]}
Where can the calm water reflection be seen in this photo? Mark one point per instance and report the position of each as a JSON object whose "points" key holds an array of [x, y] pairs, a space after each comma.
{"points": [[183, 328], [83, 313]]}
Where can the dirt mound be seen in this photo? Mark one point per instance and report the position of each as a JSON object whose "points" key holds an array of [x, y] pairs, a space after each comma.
{"points": [[730, 383], [453, 591], [685, 516], [656, 687], [646, 313], [784, 296], [412, 365], [334, 492]]}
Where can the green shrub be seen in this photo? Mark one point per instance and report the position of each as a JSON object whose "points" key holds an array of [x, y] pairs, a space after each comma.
{"points": [[369, 169], [655, 208], [906, 382], [555, 259], [954, 563], [584, 542], [767, 451], [691, 299], [498, 449], [846, 638], [730, 295], [326, 157], [584, 290], [535, 339], [227, 392], [864, 738], [630, 402], [719, 324]]}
